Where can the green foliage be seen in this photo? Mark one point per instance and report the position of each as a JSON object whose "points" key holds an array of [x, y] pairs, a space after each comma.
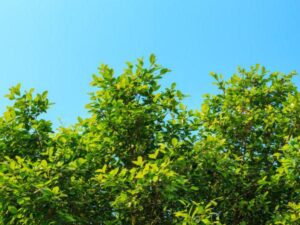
{"points": [[142, 157]]}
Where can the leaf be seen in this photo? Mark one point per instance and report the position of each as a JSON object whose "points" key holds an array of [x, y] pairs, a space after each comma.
{"points": [[174, 142], [12, 209], [152, 59], [214, 75], [139, 175], [103, 170], [164, 71], [69, 218], [154, 155], [139, 161], [44, 163], [205, 108], [155, 178], [181, 214], [80, 161], [194, 188], [114, 171], [12, 165], [55, 190]]}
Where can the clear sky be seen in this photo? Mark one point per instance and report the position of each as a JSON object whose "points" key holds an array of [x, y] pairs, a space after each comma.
{"points": [[56, 45]]}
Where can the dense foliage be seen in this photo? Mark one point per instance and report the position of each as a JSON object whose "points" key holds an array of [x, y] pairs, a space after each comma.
{"points": [[143, 158]]}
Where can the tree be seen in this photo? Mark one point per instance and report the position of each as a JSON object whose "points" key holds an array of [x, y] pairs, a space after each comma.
{"points": [[142, 157], [250, 141]]}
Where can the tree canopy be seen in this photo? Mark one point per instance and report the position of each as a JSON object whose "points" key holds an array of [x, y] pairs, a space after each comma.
{"points": [[143, 157]]}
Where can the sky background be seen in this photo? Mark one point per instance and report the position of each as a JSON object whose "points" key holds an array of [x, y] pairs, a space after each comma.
{"points": [[56, 45]]}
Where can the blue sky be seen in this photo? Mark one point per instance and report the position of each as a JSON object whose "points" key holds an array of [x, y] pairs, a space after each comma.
{"points": [[56, 45]]}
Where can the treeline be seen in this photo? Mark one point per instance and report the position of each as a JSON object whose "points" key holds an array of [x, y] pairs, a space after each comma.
{"points": [[142, 157]]}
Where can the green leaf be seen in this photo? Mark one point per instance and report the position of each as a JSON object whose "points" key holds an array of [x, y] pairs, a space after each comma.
{"points": [[44, 163], [174, 142], [154, 155], [164, 71], [12, 209], [194, 188], [152, 59], [55, 190], [114, 171], [139, 161]]}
